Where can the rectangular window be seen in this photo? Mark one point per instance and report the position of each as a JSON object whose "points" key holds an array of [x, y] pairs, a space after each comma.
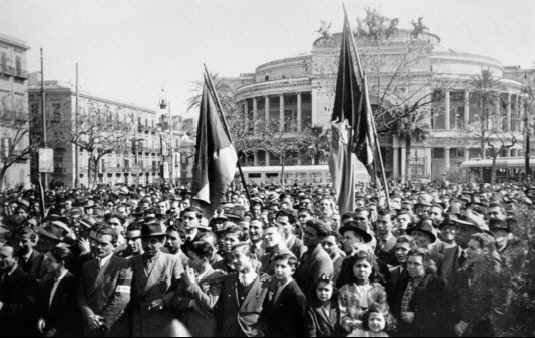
{"points": [[460, 152], [438, 153], [3, 59], [18, 63]]}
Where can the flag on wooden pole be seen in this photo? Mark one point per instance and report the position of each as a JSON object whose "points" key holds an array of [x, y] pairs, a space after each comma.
{"points": [[352, 127], [215, 156]]}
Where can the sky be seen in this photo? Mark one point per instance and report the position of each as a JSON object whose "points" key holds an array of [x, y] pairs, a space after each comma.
{"points": [[130, 49]]}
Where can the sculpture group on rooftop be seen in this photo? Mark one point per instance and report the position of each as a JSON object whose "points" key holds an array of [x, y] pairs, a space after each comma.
{"points": [[325, 30], [418, 28], [375, 26]]}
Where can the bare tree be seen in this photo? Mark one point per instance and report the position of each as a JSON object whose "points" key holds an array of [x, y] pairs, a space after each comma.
{"points": [[496, 139], [284, 140], [17, 145], [100, 132]]}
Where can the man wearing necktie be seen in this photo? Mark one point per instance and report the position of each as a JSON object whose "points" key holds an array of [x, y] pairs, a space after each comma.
{"points": [[156, 277], [58, 309], [18, 292], [104, 289], [240, 303]]}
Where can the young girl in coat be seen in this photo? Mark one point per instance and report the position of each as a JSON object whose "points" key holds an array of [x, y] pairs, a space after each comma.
{"points": [[376, 322], [323, 315]]}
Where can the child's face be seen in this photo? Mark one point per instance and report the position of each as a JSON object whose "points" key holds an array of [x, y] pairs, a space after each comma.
{"points": [[376, 322], [240, 260], [324, 291], [283, 270]]}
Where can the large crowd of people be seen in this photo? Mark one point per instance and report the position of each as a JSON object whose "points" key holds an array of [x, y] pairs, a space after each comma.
{"points": [[279, 261]]}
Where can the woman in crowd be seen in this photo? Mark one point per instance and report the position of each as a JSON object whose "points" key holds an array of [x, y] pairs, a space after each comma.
{"points": [[358, 294], [422, 305]]}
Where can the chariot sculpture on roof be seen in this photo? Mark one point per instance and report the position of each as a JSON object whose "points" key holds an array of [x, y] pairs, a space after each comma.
{"points": [[375, 26], [418, 28], [325, 30]]}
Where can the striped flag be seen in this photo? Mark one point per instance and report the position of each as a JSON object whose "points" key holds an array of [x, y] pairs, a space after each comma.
{"points": [[215, 156], [352, 127]]}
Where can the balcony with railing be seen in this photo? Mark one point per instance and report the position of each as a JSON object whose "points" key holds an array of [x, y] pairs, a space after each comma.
{"points": [[13, 71]]}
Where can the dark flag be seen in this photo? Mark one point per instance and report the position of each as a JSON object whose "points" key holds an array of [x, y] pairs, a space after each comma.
{"points": [[215, 157], [352, 127]]}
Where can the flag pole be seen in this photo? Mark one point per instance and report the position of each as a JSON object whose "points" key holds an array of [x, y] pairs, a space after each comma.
{"points": [[222, 116], [364, 83]]}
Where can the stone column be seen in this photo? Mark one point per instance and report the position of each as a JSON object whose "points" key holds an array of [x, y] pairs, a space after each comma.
{"points": [[299, 112], [509, 112], [281, 112], [508, 152], [467, 154], [447, 109], [255, 110], [268, 158], [520, 114], [246, 107], [267, 108], [447, 158], [498, 117], [403, 163], [396, 162], [466, 108], [256, 158]]}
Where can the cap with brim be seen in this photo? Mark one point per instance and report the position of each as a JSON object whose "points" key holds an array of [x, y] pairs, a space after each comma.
{"points": [[354, 226], [423, 203], [426, 227]]}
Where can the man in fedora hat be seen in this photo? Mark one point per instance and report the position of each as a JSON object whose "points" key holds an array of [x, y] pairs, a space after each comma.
{"points": [[467, 225], [156, 278], [104, 289], [356, 238], [501, 230]]}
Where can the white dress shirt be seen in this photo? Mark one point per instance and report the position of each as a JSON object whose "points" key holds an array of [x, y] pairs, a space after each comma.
{"points": [[55, 287]]}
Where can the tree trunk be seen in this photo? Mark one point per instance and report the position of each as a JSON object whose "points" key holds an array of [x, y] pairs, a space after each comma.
{"points": [[483, 120], [493, 169], [3, 172], [407, 159], [282, 172]]}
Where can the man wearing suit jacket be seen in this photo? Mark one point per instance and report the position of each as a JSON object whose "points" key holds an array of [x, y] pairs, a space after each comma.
{"points": [[18, 292], [315, 262], [191, 219], [57, 304], [286, 223], [199, 292], [386, 241], [242, 297], [156, 277], [104, 290], [284, 307], [30, 259], [469, 224]]}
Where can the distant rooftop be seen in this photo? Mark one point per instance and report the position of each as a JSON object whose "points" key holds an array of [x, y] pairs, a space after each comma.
{"points": [[54, 85], [14, 41]]}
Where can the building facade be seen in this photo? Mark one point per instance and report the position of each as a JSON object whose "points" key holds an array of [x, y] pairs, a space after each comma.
{"points": [[402, 71], [141, 163], [13, 97]]}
